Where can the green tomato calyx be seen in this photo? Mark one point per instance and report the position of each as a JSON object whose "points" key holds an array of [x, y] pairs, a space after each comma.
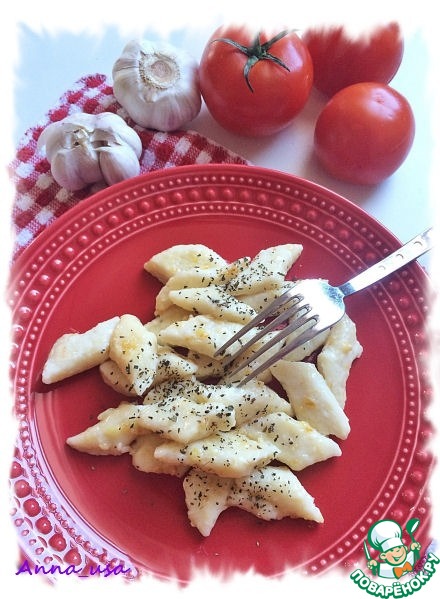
{"points": [[256, 52]]}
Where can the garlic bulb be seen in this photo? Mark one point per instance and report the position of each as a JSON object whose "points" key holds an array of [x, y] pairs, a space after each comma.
{"points": [[88, 148], [157, 84]]}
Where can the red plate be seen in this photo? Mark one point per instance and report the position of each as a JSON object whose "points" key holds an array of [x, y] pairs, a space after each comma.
{"points": [[72, 508]]}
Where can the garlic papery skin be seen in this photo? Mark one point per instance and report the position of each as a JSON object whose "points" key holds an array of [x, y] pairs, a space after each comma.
{"points": [[83, 149], [75, 168], [118, 163], [157, 84]]}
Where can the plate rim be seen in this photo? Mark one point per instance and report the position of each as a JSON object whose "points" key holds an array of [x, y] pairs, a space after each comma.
{"points": [[194, 169], [84, 205]]}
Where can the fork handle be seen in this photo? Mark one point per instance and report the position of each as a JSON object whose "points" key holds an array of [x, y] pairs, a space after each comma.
{"points": [[410, 251]]}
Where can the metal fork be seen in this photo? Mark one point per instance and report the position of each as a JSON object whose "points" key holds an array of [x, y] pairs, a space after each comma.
{"points": [[311, 306]]}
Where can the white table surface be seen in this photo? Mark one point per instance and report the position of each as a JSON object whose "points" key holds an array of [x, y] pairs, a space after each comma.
{"points": [[49, 62]]}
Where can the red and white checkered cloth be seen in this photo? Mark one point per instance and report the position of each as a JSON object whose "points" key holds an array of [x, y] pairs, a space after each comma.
{"points": [[39, 199]]}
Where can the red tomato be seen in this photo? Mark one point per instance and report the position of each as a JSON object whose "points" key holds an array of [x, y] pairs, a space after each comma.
{"points": [[364, 133], [340, 60], [255, 84]]}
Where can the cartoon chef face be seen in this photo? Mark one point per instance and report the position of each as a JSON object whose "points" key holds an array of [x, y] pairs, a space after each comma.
{"points": [[386, 537], [395, 556]]}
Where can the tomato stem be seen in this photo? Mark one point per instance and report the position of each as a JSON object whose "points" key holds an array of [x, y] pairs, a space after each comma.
{"points": [[256, 52]]}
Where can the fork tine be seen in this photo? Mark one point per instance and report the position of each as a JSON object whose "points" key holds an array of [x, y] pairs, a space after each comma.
{"points": [[285, 315], [298, 323], [300, 340], [284, 298]]}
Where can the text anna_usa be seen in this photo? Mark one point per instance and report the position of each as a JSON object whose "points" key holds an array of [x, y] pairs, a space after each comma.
{"points": [[107, 570]]}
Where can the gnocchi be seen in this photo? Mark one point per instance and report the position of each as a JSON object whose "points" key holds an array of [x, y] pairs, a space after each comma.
{"points": [[73, 353], [182, 414]]}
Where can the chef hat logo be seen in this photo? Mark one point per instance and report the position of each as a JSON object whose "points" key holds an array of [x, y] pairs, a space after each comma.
{"points": [[385, 535]]}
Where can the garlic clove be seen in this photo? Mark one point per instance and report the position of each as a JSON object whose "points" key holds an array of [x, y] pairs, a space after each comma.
{"points": [[110, 121], [83, 119], [76, 167], [157, 84], [109, 131], [55, 138], [118, 163]]}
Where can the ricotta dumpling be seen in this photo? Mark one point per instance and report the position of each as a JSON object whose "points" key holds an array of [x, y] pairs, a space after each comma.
{"points": [[206, 497], [214, 301], [269, 493], [266, 271], [249, 401], [273, 493], [162, 321], [206, 367], [182, 257], [188, 388], [170, 365], [184, 420], [113, 376], [298, 444], [311, 398], [73, 353], [203, 334], [142, 456], [134, 350], [198, 277], [115, 430], [229, 454], [335, 359], [186, 410]]}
